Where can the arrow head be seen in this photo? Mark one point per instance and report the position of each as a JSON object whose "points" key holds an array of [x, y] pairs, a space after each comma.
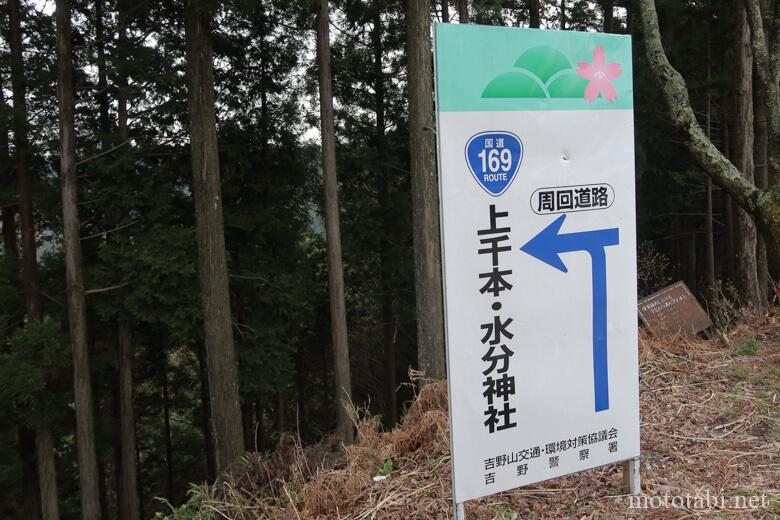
{"points": [[545, 245]]}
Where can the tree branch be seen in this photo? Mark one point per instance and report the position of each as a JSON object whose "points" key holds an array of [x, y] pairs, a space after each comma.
{"points": [[674, 91], [105, 152], [106, 289], [765, 65]]}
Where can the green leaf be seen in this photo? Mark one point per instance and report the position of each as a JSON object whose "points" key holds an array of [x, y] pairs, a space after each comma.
{"points": [[386, 469]]}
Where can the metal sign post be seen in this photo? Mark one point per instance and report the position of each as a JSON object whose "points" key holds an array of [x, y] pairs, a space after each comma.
{"points": [[536, 175]]}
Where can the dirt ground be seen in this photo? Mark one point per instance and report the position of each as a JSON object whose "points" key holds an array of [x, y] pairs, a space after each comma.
{"points": [[710, 412]]}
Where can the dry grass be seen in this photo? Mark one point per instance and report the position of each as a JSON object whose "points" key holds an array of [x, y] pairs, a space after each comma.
{"points": [[710, 422]]}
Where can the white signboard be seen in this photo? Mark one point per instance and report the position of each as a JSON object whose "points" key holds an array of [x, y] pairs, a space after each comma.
{"points": [[536, 157]]}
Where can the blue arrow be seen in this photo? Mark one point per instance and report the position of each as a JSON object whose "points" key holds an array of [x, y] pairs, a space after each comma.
{"points": [[546, 246]]}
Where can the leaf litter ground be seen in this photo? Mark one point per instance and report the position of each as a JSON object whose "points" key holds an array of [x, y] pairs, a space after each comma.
{"points": [[710, 412]]}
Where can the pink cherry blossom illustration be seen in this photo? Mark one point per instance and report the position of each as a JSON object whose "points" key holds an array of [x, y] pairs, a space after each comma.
{"points": [[599, 76]]}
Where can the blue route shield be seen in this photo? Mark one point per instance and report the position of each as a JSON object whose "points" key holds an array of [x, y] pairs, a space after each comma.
{"points": [[494, 158]]}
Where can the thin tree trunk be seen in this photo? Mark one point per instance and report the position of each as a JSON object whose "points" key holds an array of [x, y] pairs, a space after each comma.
{"points": [[102, 84], [85, 430], [259, 431], [167, 433], [742, 153], [445, 11], [41, 480], [425, 194], [23, 176], [41, 475], [608, 9], [760, 160], [338, 316], [463, 11], [709, 233], [128, 496], [279, 422], [534, 14], [121, 80], [710, 243], [690, 262], [728, 205], [8, 212], [563, 15], [385, 285], [246, 421], [262, 31], [212, 261]]}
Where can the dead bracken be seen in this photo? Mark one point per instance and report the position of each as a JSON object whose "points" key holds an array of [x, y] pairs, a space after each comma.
{"points": [[710, 425]]}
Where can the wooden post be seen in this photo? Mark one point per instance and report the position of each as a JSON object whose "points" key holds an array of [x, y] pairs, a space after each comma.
{"points": [[460, 511], [631, 480]]}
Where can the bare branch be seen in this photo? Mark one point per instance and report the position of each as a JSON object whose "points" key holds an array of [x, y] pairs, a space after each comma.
{"points": [[106, 289], [105, 152], [103, 233]]}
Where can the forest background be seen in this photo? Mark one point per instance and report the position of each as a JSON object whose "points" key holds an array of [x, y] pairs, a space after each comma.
{"points": [[161, 315]]}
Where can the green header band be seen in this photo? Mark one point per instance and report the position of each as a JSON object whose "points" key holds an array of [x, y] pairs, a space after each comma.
{"points": [[481, 68]]}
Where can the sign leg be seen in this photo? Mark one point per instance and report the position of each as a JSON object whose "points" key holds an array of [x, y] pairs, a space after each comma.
{"points": [[460, 511], [631, 481]]}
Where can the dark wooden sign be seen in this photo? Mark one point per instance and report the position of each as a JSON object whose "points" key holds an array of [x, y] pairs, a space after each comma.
{"points": [[673, 310]]}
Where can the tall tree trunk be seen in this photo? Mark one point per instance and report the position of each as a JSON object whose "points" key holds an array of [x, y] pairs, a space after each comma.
{"points": [[45, 474], [85, 430], [212, 261], [445, 11], [385, 284], [338, 315], [534, 14], [742, 157], [463, 11], [129, 501], [128, 482], [425, 194]]}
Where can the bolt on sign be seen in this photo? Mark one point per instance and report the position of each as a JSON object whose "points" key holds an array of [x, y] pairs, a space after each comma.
{"points": [[536, 157]]}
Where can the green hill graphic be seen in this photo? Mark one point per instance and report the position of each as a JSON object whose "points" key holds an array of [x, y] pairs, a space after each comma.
{"points": [[540, 72]]}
